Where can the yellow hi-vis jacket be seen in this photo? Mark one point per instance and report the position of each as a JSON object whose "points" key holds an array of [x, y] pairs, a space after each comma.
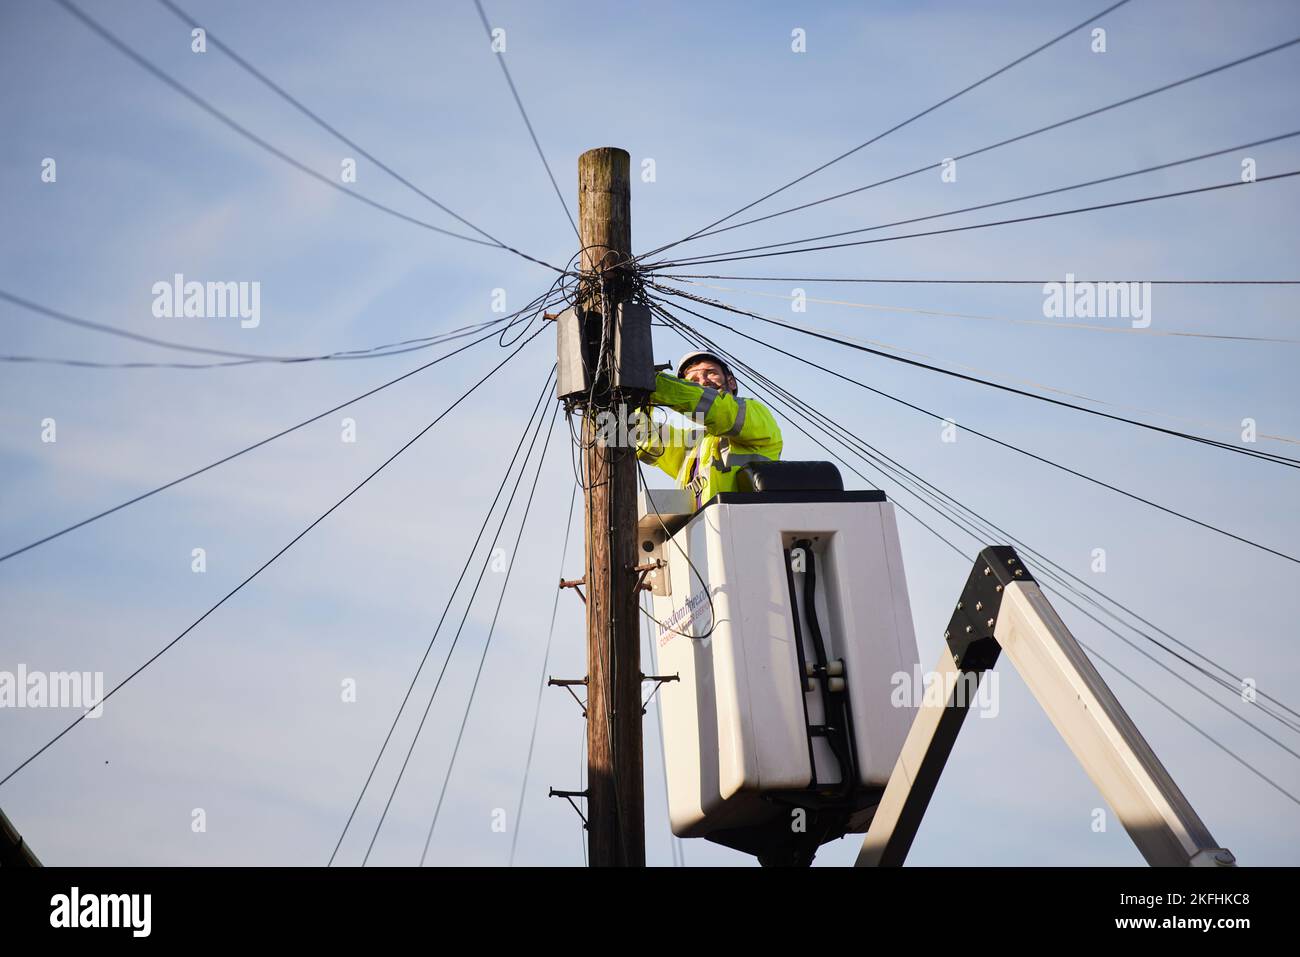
{"points": [[707, 461]]}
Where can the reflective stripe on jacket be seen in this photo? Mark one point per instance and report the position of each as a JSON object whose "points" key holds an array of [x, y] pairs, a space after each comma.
{"points": [[735, 431]]}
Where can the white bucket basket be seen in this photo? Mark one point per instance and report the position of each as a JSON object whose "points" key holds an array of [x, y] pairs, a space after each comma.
{"points": [[744, 729]]}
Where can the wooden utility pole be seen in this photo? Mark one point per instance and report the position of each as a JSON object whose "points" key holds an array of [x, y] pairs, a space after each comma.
{"points": [[615, 791]]}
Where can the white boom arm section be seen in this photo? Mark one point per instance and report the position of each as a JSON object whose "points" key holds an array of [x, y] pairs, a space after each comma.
{"points": [[1003, 609]]}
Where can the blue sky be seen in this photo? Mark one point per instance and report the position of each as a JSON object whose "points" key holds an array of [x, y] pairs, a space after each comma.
{"points": [[243, 718]]}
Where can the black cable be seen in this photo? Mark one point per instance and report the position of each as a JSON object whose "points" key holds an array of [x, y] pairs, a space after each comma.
{"points": [[523, 465], [546, 658], [724, 257], [247, 357], [1032, 384], [899, 126], [535, 308], [852, 439], [696, 340], [451, 597], [980, 540], [329, 128], [1287, 723], [991, 531], [987, 282], [158, 654], [668, 536], [1046, 323], [1046, 461], [1252, 453], [1019, 137], [428, 343], [249, 134], [1019, 199], [501, 58], [1050, 577], [1184, 719], [460, 733], [875, 457], [235, 455]]}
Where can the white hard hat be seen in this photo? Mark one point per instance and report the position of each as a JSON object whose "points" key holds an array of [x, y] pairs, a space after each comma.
{"points": [[698, 354]]}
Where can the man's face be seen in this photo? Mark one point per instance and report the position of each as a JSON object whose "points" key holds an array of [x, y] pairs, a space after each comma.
{"points": [[706, 372]]}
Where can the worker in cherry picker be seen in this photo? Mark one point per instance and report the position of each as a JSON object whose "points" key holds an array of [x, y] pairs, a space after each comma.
{"points": [[731, 431]]}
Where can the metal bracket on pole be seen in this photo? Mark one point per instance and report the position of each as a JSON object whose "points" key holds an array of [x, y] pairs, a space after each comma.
{"points": [[567, 684], [1003, 609], [576, 584], [644, 569], [569, 796], [659, 683]]}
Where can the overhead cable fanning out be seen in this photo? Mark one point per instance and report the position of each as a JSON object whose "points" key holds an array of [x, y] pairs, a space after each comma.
{"points": [[539, 415], [1096, 207], [1252, 453], [898, 126], [487, 644], [501, 59], [333, 131], [1000, 143], [1024, 197], [257, 140], [1043, 323], [261, 568], [256, 445], [986, 530], [983, 282]]}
